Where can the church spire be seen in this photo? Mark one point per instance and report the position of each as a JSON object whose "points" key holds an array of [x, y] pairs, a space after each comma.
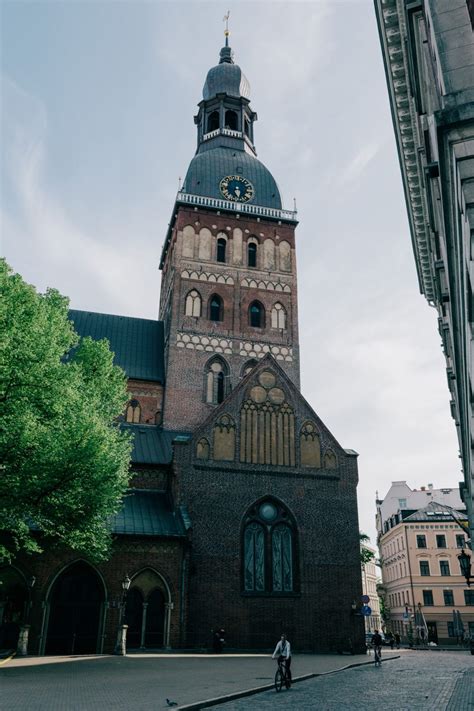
{"points": [[226, 55]]}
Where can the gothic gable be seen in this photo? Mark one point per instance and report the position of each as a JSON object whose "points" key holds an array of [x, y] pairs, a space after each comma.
{"points": [[266, 421]]}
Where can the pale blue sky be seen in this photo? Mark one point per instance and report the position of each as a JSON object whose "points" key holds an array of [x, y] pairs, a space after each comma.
{"points": [[98, 101]]}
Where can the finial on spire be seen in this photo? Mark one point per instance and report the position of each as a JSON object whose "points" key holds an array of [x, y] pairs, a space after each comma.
{"points": [[226, 31]]}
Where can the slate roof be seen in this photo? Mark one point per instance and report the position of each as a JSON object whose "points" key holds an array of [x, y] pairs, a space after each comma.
{"points": [[208, 167], [151, 444], [138, 343], [436, 512], [147, 513], [226, 79]]}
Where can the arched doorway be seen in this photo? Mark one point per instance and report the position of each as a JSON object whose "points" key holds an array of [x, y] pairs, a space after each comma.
{"points": [[133, 617], [147, 611], [155, 619], [13, 606], [75, 610]]}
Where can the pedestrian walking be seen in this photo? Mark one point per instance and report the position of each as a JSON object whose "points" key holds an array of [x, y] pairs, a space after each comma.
{"points": [[397, 640]]}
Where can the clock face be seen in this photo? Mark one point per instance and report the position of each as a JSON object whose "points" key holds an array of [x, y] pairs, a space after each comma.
{"points": [[236, 188]]}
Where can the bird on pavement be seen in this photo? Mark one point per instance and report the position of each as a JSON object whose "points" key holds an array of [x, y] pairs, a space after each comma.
{"points": [[171, 703]]}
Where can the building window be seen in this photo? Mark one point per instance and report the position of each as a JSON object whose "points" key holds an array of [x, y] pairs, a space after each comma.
{"points": [[424, 567], [460, 541], [193, 304], [269, 550], [133, 413], [448, 597], [221, 247], [441, 541], [231, 120], [278, 316], [213, 121], [469, 597], [421, 541], [402, 503], [444, 567], [451, 629], [252, 254], [256, 315], [428, 597], [216, 308], [217, 375]]}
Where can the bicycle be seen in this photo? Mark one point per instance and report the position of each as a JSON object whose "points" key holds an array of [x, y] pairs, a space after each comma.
{"points": [[282, 676], [377, 656]]}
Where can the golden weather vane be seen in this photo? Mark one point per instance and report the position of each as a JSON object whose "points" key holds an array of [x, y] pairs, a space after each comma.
{"points": [[226, 20]]}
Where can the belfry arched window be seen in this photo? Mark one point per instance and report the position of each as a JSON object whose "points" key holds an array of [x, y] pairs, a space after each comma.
{"points": [[279, 316], [133, 412], [252, 254], [269, 549], [216, 308], [216, 381], [256, 315], [221, 249], [193, 304], [213, 121], [231, 120]]}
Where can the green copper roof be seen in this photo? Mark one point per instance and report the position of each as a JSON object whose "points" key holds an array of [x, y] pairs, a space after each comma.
{"points": [[208, 167], [147, 513], [151, 444], [136, 342]]}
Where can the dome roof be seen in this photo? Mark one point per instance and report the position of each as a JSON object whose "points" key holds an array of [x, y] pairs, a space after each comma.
{"points": [[226, 78], [207, 169]]}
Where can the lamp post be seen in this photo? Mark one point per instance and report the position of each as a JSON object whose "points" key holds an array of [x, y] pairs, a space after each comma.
{"points": [[465, 565], [22, 647], [121, 644]]}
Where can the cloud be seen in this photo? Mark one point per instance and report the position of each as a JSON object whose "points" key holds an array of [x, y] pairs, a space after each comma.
{"points": [[359, 162], [89, 267]]}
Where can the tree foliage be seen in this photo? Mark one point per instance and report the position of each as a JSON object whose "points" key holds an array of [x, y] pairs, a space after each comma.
{"points": [[64, 461], [366, 555]]}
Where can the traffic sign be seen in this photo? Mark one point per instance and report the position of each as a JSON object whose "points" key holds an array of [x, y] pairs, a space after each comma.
{"points": [[366, 610], [365, 599]]}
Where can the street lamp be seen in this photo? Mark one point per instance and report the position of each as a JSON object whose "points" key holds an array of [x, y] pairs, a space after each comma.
{"points": [[465, 565], [121, 644]]}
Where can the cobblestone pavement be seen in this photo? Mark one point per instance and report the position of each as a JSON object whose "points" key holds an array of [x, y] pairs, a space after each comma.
{"points": [[140, 682], [418, 681]]}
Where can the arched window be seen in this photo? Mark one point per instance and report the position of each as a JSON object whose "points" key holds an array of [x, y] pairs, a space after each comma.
{"points": [[252, 254], [193, 304], [256, 315], [216, 308], [278, 316], [248, 367], [269, 549], [213, 121], [217, 376], [247, 127], [231, 120], [133, 412], [221, 247]]}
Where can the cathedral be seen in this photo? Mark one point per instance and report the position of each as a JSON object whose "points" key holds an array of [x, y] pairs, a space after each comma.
{"points": [[242, 509]]}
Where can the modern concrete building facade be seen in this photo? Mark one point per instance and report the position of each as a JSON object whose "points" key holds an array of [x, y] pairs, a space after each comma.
{"points": [[428, 51], [420, 570]]}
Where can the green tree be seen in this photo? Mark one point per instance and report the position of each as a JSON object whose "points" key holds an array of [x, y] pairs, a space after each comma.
{"points": [[64, 463], [366, 555]]}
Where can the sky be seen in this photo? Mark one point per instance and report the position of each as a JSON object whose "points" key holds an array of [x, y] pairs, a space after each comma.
{"points": [[97, 103]]}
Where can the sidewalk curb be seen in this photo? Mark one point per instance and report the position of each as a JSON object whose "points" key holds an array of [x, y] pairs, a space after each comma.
{"points": [[7, 659], [196, 706]]}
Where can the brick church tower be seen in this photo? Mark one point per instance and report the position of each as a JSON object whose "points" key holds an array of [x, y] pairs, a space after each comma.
{"points": [[228, 292]]}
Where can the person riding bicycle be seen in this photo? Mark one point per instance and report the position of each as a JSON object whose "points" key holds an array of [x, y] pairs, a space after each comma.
{"points": [[376, 641], [283, 653]]}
